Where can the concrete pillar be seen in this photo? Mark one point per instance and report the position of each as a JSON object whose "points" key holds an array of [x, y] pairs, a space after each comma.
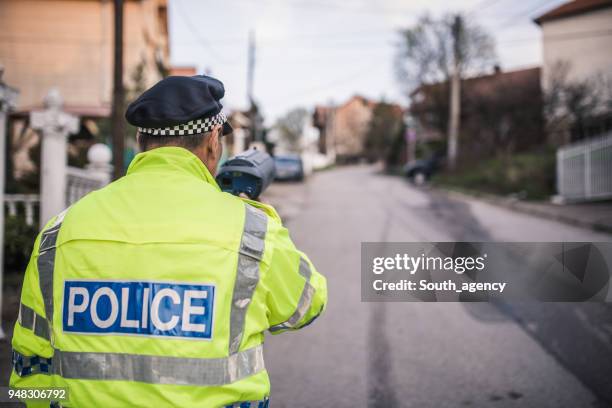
{"points": [[8, 100], [55, 126]]}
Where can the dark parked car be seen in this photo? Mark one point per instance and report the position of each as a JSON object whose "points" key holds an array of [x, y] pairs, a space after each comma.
{"points": [[289, 167], [419, 171]]}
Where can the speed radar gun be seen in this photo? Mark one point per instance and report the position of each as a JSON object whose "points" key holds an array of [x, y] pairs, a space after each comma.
{"points": [[250, 172]]}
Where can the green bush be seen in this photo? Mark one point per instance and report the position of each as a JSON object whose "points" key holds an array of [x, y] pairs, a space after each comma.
{"points": [[18, 242], [530, 175]]}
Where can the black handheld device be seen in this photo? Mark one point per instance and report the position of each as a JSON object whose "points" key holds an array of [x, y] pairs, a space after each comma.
{"points": [[250, 172]]}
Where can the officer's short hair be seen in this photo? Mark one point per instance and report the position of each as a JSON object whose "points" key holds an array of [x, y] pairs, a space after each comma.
{"points": [[189, 142]]}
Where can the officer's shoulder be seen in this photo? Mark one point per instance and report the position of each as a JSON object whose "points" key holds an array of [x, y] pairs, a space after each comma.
{"points": [[265, 208]]}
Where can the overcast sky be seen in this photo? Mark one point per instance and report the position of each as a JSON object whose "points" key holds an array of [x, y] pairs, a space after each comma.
{"points": [[323, 51]]}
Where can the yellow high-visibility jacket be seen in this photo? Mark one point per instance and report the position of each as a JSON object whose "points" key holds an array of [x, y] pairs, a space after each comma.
{"points": [[157, 290]]}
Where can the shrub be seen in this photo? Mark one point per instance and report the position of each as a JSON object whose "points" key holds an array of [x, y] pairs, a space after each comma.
{"points": [[18, 243], [531, 175]]}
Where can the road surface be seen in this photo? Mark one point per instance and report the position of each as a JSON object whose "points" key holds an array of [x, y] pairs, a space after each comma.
{"points": [[427, 354]]}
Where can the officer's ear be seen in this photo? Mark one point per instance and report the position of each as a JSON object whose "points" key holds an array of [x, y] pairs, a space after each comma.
{"points": [[213, 142]]}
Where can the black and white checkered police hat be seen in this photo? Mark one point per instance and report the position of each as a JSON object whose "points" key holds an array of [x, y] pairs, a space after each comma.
{"points": [[179, 106]]}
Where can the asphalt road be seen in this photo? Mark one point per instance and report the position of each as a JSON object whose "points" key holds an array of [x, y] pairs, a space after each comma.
{"points": [[428, 354]]}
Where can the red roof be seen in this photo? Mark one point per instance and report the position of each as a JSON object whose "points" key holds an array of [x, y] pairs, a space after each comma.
{"points": [[573, 8], [484, 84], [498, 75]]}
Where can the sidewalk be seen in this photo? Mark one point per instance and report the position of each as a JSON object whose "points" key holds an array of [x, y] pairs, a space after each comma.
{"points": [[596, 216]]}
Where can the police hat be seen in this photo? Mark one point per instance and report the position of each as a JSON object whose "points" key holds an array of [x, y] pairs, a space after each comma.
{"points": [[178, 106]]}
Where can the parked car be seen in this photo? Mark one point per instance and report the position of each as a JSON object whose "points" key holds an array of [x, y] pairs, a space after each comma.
{"points": [[419, 171], [289, 167]]}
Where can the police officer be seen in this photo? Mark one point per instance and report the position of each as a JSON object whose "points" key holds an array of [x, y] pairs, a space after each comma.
{"points": [[157, 289]]}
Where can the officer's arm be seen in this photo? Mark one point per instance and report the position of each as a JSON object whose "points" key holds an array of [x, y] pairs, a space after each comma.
{"points": [[297, 293], [32, 348]]}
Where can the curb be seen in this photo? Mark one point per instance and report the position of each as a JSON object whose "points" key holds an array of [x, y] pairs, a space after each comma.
{"points": [[526, 208]]}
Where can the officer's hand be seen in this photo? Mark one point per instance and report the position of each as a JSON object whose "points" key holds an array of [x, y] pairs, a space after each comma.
{"points": [[243, 195]]}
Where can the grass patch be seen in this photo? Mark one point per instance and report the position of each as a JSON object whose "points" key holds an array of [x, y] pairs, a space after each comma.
{"points": [[528, 175], [327, 167]]}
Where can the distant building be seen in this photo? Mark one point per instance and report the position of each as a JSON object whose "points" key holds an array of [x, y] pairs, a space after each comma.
{"points": [[321, 119], [343, 128], [183, 71], [239, 140], [500, 111], [68, 44], [349, 126]]}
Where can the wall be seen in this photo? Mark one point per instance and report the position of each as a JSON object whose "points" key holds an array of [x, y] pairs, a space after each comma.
{"points": [[68, 43], [588, 53], [350, 124]]}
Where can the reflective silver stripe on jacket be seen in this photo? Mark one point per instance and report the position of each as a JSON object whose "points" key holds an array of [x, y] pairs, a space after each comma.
{"points": [[46, 264], [247, 275], [157, 369], [304, 302], [29, 319]]}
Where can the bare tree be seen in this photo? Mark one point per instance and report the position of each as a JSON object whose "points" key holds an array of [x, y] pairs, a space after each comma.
{"points": [[440, 51], [579, 108], [291, 128], [427, 51], [503, 115], [385, 128]]}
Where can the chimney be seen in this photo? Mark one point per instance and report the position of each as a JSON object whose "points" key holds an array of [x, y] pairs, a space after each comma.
{"points": [[496, 69]]}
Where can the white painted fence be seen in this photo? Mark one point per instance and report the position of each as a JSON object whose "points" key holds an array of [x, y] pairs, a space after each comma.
{"points": [[26, 203], [584, 169]]}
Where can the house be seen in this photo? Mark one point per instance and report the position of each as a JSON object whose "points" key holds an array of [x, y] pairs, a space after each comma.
{"points": [[577, 32], [576, 44], [343, 129], [501, 112], [68, 44]]}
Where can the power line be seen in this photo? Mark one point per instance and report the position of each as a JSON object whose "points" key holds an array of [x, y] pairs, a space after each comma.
{"points": [[202, 41], [344, 79], [4, 38], [561, 37], [332, 37], [482, 5], [342, 7], [525, 13]]}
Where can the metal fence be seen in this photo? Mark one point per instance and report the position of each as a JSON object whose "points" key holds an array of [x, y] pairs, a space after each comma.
{"points": [[584, 169]]}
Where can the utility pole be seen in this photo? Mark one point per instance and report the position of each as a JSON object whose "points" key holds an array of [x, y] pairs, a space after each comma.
{"points": [[8, 102], [250, 66], [117, 120], [253, 114], [454, 123]]}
